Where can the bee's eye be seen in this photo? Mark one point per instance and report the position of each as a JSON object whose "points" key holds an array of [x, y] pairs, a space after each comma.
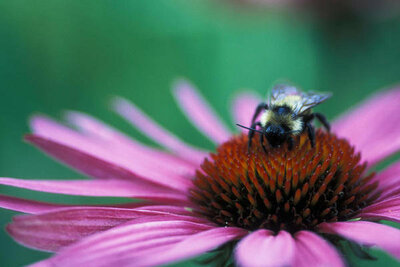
{"points": [[282, 110]]}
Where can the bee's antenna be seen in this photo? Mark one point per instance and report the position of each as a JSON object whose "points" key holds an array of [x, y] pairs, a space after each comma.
{"points": [[249, 128]]}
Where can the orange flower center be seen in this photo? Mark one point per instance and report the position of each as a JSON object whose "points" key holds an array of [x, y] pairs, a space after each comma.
{"points": [[281, 189]]}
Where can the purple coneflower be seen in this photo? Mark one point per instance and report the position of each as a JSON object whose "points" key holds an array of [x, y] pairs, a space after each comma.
{"points": [[281, 208]]}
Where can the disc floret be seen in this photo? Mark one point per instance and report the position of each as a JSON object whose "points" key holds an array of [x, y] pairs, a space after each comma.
{"points": [[283, 189]]}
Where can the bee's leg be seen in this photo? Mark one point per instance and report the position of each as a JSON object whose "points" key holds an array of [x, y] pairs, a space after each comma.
{"points": [[290, 142], [309, 118], [311, 133], [262, 142], [323, 120], [251, 134], [260, 107]]}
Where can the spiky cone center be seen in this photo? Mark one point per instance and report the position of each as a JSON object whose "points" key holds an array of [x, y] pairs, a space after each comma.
{"points": [[283, 189]]}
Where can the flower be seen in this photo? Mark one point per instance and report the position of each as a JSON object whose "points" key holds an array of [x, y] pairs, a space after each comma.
{"points": [[282, 207]]}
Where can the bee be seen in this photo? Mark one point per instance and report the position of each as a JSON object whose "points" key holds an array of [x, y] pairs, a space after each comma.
{"points": [[287, 114]]}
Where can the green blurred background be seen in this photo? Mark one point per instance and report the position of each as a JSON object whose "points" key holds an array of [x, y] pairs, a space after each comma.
{"points": [[59, 55]]}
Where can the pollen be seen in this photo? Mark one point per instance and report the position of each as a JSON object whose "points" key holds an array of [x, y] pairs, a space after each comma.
{"points": [[283, 189]]}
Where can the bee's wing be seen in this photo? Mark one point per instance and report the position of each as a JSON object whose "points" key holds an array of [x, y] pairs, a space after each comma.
{"points": [[281, 91], [309, 100]]}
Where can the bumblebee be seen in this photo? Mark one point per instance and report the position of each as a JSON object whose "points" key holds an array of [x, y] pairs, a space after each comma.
{"points": [[288, 113]]}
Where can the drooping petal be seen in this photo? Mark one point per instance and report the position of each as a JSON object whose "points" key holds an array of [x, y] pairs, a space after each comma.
{"points": [[375, 137], [125, 242], [142, 122], [390, 193], [179, 210], [367, 233], [192, 246], [243, 107], [388, 181], [365, 114], [58, 228], [383, 148], [52, 230], [96, 162], [196, 108], [312, 251], [27, 206], [165, 216], [54, 131], [104, 188], [388, 209], [35, 207], [262, 248], [120, 143]]}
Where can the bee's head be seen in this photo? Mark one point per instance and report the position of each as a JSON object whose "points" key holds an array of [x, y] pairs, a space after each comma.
{"points": [[275, 134]]}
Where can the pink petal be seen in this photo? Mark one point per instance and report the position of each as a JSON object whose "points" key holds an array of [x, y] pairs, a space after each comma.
{"points": [[54, 136], [367, 233], [122, 144], [53, 230], [35, 207], [125, 241], [312, 250], [382, 148], [27, 206], [58, 228], [95, 165], [151, 129], [177, 210], [364, 127], [196, 108], [389, 181], [244, 106], [390, 193], [263, 248], [388, 209], [162, 217], [192, 246], [104, 188], [389, 176]]}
